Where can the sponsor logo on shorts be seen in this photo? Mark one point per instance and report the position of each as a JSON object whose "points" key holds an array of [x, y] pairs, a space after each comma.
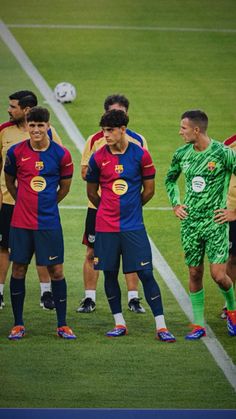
{"points": [[38, 183], [95, 261], [198, 184], [91, 238], [52, 257], [144, 263], [39, 165], [120, 187]]}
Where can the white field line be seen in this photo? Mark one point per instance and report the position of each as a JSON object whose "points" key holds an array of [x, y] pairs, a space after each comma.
{"points": [[120, 28], [214, 347]]}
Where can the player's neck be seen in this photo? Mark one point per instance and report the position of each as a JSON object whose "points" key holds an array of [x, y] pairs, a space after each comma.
{"points": [[120, 147], [22, 125], [40, 145], [202, 143]]}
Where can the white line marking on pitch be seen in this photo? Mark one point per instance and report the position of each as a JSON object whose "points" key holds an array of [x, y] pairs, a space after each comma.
{"points": [[214, 347], [119, 27]]}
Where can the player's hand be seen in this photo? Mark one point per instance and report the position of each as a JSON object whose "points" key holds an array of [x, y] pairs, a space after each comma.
{"points": [[180, 212], [224, 215]]}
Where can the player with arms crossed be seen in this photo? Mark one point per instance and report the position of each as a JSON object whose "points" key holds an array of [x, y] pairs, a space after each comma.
{"points": [[94, 143], [13, 132], [43, 171], [207, 165], [125, 173]]}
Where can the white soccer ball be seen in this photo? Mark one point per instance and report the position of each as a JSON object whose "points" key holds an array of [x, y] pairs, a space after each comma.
{"points": [[65, 92]]}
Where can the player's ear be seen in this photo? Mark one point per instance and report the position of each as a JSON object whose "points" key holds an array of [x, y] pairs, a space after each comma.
{"points": [[123, 129]]}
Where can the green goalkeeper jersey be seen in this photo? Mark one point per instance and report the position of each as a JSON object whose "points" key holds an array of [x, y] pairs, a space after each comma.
{"points": [[207, 175]]}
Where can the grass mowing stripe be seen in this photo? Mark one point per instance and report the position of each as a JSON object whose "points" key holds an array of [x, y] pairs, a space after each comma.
{"points": [[211, 342], [120, 27], [71, 129], [219, 355]]}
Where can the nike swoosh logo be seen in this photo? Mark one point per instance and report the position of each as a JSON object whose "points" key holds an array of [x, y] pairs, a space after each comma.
{"points": [[16, 293], [105, 163], [52, 257], [62, 301], [154, 298], [25, 158], [69, 164], [144, 263]]}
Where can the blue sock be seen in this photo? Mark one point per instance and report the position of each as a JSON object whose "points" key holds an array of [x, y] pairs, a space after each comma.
{"points": [[112, 290], [59, 296], [17, 290], [151, 291]]}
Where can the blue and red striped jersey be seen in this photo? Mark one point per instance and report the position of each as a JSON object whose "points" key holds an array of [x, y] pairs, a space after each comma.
{"points": [[38, 175], [120, 177]]}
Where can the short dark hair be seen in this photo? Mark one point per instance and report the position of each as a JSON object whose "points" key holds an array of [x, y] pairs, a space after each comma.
{"points": [[199, 117], [38, 114], [116, 98], [114, 118], [25, 98]]}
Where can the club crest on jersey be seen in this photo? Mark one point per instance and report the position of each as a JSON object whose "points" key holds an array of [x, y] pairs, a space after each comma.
{"points": [[119, 168], [120, 187], [211, 165], [38, 183], [39, 165]]}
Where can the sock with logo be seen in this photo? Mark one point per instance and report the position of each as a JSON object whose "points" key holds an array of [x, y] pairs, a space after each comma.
{"points": [[197, 300], [17, 290], [59, 292], [112, 290], [151, 291], [229, 298]]}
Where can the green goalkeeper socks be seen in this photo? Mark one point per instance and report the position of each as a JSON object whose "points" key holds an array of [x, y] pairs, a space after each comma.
{"points": [[229, 298], [197, 300]]}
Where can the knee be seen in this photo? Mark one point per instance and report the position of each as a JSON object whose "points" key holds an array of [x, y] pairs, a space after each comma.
{"points": [[89, 255], [19, 271], [56, 272], [196, 274]]}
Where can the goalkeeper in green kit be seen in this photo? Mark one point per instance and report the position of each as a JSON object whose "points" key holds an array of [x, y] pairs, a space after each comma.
{"points": [[207, 166]]}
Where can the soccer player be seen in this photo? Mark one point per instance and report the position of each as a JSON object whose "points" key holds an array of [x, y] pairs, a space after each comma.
{"points": [[207, 166], [42, 171], [125, 173], [93, 144], [12, 132], [231, 205]]}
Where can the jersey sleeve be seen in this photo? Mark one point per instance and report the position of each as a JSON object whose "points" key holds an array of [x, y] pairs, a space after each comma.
{"points": [[148, 168], [230, 160], [93, 172], [171, 179], [145, 145], [10, 164], [86, 152], [55, 136], [66, 166]]}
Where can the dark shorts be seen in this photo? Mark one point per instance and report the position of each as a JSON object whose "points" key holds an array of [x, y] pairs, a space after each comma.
{"points": [[134, 247], [232, 238], [5, 221], [47, 245], [89, 234]]}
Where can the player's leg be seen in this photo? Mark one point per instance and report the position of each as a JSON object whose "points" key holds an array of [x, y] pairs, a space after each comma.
{"points": [[231, 263], [46, 298], [21, 245], [136, 255], [49, 251], [133, 298], [5, 221], [107, 258], [218, 252], [194, 249], [90, 276]]}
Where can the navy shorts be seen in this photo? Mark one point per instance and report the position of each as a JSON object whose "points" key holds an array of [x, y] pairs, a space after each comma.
{"points": [[232, 238], [89, 234], [47, 245], [134, 247], [5, 222]]}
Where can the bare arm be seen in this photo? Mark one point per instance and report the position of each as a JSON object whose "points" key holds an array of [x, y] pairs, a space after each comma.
{"points": [[148, 190], [64, 187], [84, 171], [11, 186], [0, 177], [92, 192]]}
